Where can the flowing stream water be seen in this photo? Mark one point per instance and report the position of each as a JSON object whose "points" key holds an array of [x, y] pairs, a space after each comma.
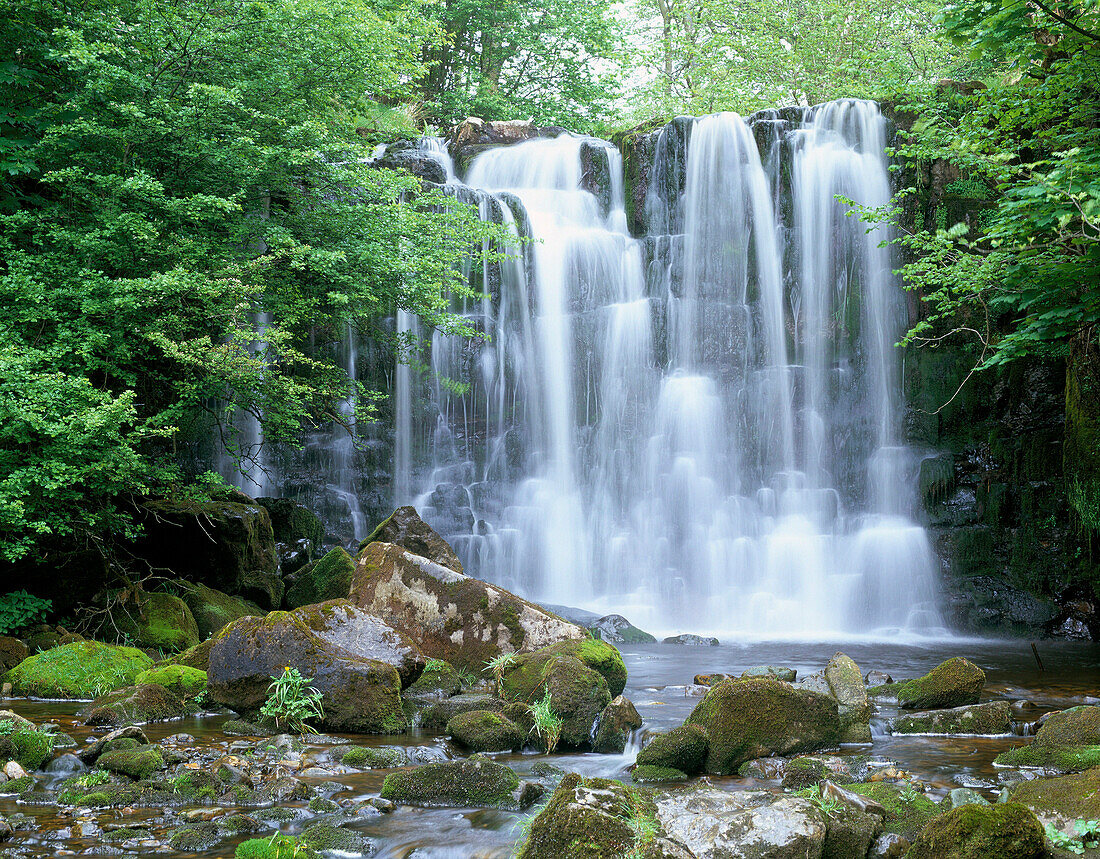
{"points": [[697, 428]]}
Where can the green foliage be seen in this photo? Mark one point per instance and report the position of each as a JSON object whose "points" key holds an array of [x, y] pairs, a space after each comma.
{"points": [[276, 847], [640, 816], [1088, 835], [291, 701], [82, 669], [547, 724], [20, 609], [499, 665], [167, 173], [827, 805]]}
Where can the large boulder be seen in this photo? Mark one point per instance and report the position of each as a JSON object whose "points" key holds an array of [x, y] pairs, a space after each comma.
{"points": [[476, 781], [291, 522], [211, 608], [846, 686], [715, 824], [1068, 740], [226, 544], [953, 683], [683, 748], [616, 722], [746, 719], [1005, 831], [327, 578], [590, 818], [82, 669], [485, 731], [148, 702], [450, 615], [406, 529], [1061, 800], [994, 717], [358, 663], [12, 652], [156, 620], [578, 694]]}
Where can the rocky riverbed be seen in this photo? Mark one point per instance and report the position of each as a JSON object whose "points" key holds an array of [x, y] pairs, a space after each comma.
{"points": [[216, 789]]}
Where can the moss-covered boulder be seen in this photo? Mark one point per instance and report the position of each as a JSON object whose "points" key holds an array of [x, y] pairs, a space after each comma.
{"points": [[1006, 831], [994, 717], [82, 669], [439, 680], [846, 685], [12, 652], [406, 529], [275, 847], [327, 578], [436, 716], [157, 620], [447, 614], [139, 763], [578, 693], [648, 774], [367, 758], [615, 724], [774, 672], [291, 521], [484, 731], [211, 608], [953, 683], [905, 814], [746, 719], [1068, 740], [616, 629], [327, 837], [592, 818], [183, 680], [849, 833], [475, 782], [148, 702], [358, 663], [1071, 797], [226, 544], [26, 746], [600, 656], [683, 748]]}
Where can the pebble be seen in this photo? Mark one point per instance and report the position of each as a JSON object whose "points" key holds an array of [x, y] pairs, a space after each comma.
{"points": [[13, 771]]}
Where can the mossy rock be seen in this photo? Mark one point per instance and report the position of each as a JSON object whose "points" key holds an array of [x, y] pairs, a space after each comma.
{"points": [[183, 680], [145, 703], [364, 757], [23, 784], [849, 833], [953, 683], [194, 657], [803, 772], [325, 836], [773, 672], [592, 818], [157, 620], [26, 746], [683, 748], [435, 717], [845, 682], [211, 608], [82, 669], [291, 521], [600, 656], [994, 717], [616, 722], [137, 763], [327, 578], [279, 847], [195, 837], [485, 731], [1071, 797], [474, 782], [578, 694], [647, 773], [439, 680], [195, 785], [746, 719], [1068, 740], [1005, 831], [903, 817], [406, 529]]}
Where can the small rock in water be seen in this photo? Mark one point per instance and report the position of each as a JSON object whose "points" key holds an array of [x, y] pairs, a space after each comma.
{"points": [[691, 640], [877, 678], [787, 675], [710, 679], [65, 765], [618, 630], [962, 796]]}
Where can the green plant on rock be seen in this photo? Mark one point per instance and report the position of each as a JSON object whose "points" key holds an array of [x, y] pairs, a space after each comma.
{"points": [[499, 665], [827, 805], [642, 820], [547, 724], [20, 609], [1088, 835], [909, 794], [291, 702]]}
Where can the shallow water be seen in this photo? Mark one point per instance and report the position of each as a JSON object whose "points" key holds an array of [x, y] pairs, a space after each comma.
{"points": [[660, 685]]}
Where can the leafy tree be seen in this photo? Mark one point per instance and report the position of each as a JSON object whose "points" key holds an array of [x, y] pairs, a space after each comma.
{"points": [[168, 171], [545, 60]]}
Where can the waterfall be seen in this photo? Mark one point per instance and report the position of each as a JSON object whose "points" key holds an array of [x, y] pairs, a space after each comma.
{"points": [[697, 428]]}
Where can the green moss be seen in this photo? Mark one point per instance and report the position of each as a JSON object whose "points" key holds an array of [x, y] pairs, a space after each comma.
{"points": [[803, 772], [181, 679], [147, 703], [476, 781], [124, 834], [439, 676], [1067, 760], [327, 578], [953, 683], [320, 805], [600, 656], [646, 773], [1006, 831], [194, 785], [485, 731], [1069, 740], [82, 669], [277, 847], [19, 785], [136, 764], [158, 620], [325, 836], [26, 746], [902, 817], [194, 838], [368, 758], [1075, 797], [683, 748]]}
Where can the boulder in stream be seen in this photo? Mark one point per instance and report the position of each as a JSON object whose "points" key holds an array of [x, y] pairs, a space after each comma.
{"points": [[485, 731], [358, 663], [327, 578], [994, 717], [846, 686], [1061, 800], [1005, 831], [1069, 741], [617, 720], [449, 615], [683, 748], [953, 683], [82, 669], [475, 782], [148, 702], [746, 719]]}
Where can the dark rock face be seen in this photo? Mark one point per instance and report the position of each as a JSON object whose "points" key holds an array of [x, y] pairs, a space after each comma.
{"points": [[211, 608], [228, 545], [746, 719], [327, 578], [406, 529], [357, 662], [291, 522], [474, 136], [449, 615]]}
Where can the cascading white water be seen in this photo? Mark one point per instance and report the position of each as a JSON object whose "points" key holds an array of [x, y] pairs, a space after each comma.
{"points": [[244, 460], [706, 441]]}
